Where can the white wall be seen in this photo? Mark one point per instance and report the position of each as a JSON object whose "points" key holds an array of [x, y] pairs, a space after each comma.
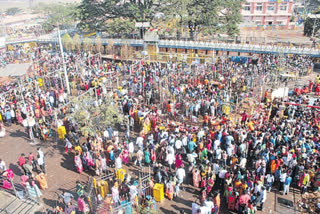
{"points": [[2, 42]]}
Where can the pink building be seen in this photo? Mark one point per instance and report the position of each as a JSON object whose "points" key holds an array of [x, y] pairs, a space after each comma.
{"points": [[267, 12]]}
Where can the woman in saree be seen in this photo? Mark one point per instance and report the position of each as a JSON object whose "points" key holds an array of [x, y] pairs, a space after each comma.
{"points": [[115, 193], [231, 198], [18, 116], [33, 190], [89, 159], [196, 177], [178, 160], [125, 156], [210, 184], [78, 163]]}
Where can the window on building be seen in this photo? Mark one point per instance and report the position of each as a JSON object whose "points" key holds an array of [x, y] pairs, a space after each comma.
{"points": [[259, 7], [271, 6], [247, 7], [279, 23], [258, 23], [283, 6]]}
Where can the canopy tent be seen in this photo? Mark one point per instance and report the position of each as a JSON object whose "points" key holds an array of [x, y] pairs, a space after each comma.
{"points": [[15, 70]]}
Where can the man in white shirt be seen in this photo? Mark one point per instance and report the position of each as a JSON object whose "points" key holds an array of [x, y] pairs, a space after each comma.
{"points": [[192, 157], [196, 208], [139, 142], [118, 163], [106, 135], [133, 191], [258, 187], [178, 144], [263, 197], [209, 204], [283, 177], [131, 150], [243, 163], [218, 153], [41, 160], [170, 159], [181, 173], [139, 157], [216, 143], [270, 180]]}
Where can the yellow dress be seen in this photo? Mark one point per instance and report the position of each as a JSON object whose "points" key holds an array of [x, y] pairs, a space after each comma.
{"points": [[62, 132]]}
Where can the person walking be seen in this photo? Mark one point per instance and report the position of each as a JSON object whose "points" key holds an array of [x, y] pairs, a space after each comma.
{"points": [[41, 162], [286, 186], [8, 117]]}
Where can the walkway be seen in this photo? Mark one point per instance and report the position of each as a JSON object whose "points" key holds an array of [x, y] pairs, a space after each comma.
{"points": [[244, 48]]}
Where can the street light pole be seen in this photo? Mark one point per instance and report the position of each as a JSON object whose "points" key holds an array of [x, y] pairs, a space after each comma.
{"points": [[63, 62], [22, 96]]}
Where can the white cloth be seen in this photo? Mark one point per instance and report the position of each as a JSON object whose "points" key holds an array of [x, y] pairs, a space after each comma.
{"points": [[283, 177], [131, 147], [270, 178], [118, 163], [216, 143], [106, 134], [222, 173], [181, 173], [263, 196], [41, 157], [3, 166], [195, 207], [209, 204], [178, 144], [68, 144], [170, 158]]}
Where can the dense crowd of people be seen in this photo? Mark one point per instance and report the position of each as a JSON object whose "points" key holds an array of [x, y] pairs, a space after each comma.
{"points": [[23, 32], [200, 125]]}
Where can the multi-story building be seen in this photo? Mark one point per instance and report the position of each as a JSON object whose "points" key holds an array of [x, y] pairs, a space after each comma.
{"points": [[267, 12]]}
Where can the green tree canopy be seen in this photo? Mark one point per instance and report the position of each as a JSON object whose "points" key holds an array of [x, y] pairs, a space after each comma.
{"points": [[12, 11], [64, 14], [120, 26], [206, 16], [312, 25], [95, 14], [93, 118]]}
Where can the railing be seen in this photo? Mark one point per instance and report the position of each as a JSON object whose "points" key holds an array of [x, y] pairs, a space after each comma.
{"points": [[194, 45], [22, 197], [18, 190], [237, 47]]}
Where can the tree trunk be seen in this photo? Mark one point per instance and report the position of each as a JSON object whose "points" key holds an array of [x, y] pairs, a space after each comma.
{"points": [[191, 34], [178, 35]]}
